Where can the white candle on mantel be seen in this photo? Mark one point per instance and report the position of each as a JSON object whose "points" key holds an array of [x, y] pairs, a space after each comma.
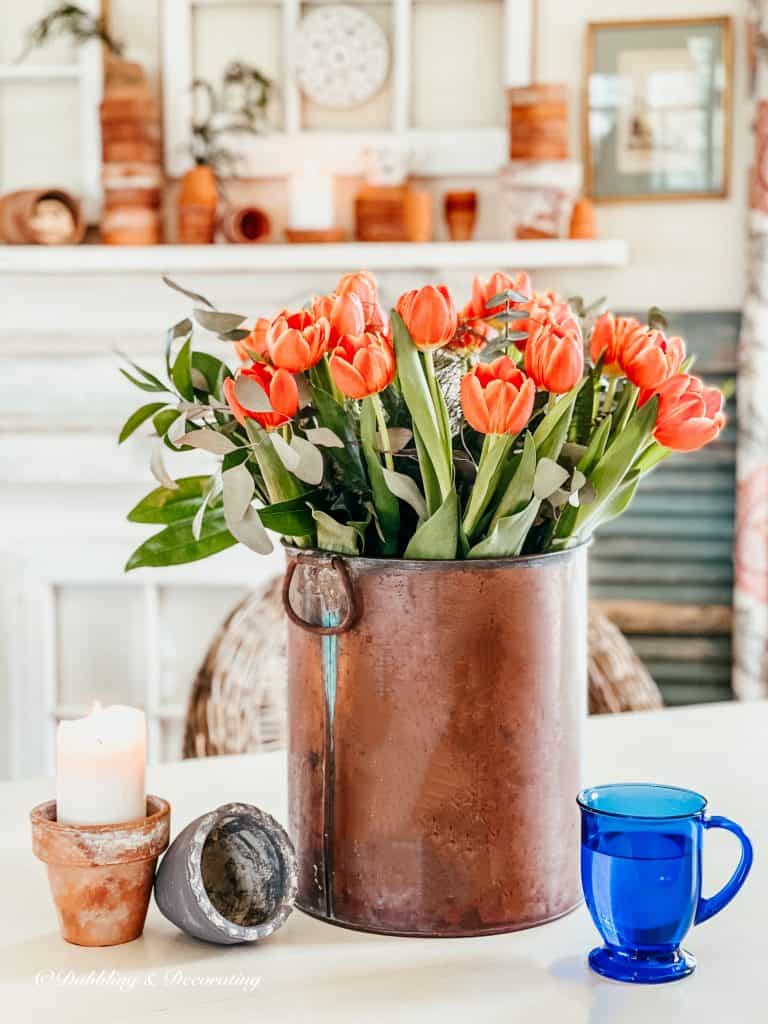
{"points": [[101, 767], [312, 204]]}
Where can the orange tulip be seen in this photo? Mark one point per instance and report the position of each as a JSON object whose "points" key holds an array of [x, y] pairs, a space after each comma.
{"points": [[554, 355], [472, 334], [690, 415], [429, 314], [362, 364], [294, 349], [497, 398], [256, 342], [363, 285], [609, 336], [280, 389], [497, 283], [648, 358], [344, 313], [540, 306]]}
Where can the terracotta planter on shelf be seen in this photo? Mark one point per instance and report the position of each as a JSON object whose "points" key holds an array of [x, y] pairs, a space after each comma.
{"points": [[245, 225], [461, 214], [436, 712], [41, 217], [197, 203]]}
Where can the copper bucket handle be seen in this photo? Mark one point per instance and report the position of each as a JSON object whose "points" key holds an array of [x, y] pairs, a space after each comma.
{"points": [[353, 609]]}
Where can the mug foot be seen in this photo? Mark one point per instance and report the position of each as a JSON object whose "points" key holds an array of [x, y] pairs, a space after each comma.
{"points": [[642, 970]]}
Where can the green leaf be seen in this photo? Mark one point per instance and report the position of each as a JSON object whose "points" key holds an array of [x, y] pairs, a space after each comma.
{"points": [[595, 448], [280, 484], [164, 505], [214, 371], [163, 420], [334, 536], [219, 323], [438, 537], [135, 420], [407, 490], [181, 373], [495, 450], [418, 397], [180, 330], [335, 418], [616, 463], [175, 545], [651, 457], [145, 375], [507, 537], [428, 476], [520, 488], [583, 411], [552, 418], [144, 385], [384, 501], [509, 295], [552, 444], [195, 296], [290, 518]]}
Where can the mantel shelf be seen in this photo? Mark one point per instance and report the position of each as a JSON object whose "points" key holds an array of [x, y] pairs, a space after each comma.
{"points": [[217, 259]]}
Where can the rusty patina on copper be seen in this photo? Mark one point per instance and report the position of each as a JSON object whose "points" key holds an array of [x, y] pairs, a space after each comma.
{"points": [[101, 875], [435, 745]]}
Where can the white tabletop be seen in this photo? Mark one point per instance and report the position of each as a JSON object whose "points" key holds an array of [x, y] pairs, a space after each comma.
{"points": [[310, 971]]}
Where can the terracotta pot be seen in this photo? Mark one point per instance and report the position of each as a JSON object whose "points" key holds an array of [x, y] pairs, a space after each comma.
{"points": [[435, 740], [41, 217], [131, 151], [131, 226], [229, 877], [196, 225], [461, 214], [198, 187], [393, 213], [197, 202], [101, 875], [583, 223], [246, 225], [538, 122], [129, 198]]}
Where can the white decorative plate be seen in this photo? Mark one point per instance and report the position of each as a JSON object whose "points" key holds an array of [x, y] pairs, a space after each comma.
{"points": [[342, 56]]}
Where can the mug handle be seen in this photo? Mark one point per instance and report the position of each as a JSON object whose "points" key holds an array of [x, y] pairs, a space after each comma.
{"points": [[708, 908]]}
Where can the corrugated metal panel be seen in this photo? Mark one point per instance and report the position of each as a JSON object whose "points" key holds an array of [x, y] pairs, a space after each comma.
{"points": [[673, 547]]}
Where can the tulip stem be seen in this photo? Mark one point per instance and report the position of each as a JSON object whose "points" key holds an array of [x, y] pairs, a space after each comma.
{"points": [[609, 393], [551, 401], [381, 420]]}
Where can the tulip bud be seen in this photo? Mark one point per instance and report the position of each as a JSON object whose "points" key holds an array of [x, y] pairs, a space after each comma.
{"points": [[430, 316], [554, 355]]}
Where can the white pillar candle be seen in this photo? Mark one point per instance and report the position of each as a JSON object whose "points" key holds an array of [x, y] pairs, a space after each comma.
{"points": [[312, 206], [101, 767]]}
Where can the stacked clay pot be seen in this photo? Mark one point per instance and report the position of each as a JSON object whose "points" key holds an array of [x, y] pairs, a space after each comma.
{"points": [[132, 171], [197, 204]]}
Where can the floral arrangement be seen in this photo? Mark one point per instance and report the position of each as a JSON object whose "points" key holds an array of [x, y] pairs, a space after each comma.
{"points": [[516, 425]]}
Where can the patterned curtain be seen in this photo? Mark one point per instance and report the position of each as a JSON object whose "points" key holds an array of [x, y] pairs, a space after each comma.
{"points": [[750, 633]]}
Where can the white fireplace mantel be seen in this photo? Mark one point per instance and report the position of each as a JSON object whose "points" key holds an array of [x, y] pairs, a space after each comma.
{"points": [[474, 256]]}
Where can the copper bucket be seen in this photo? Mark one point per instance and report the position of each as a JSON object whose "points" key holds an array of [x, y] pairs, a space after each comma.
{"points": [[436, 712]]}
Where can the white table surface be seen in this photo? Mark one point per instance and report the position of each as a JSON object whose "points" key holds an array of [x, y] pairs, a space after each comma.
{"points": [[310, 971]]}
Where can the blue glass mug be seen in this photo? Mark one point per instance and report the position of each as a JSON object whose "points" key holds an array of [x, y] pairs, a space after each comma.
{"points": [[641, 873]]}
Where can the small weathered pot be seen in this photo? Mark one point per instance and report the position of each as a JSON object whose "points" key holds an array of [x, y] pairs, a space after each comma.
{"points": [[435, 719], [23, 220], [101, 875], [229, 877]]}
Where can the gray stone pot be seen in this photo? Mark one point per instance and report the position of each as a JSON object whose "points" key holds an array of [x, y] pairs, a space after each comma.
{"points": [[229, 877]]}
